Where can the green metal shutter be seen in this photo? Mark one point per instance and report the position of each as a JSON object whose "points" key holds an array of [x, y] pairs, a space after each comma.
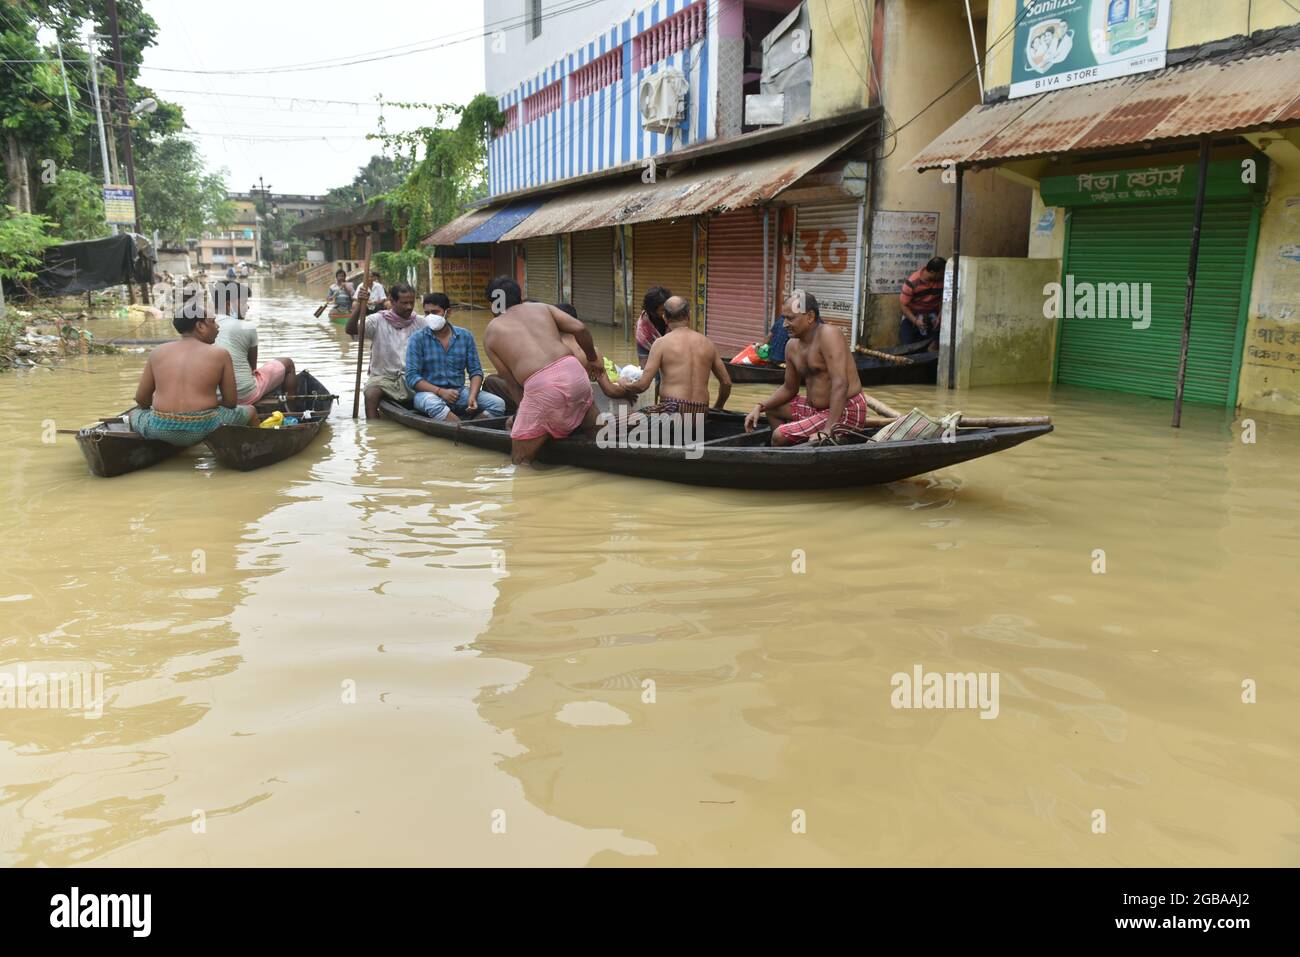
{"points": [[1141, 244]]}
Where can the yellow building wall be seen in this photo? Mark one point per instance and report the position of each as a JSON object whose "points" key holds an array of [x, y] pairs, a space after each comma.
{"points": [[1191, 22], [841, 38], [995, 210], [1270, 378]]}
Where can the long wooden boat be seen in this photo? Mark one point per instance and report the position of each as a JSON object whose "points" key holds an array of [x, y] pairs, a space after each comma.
{"points": [[731, 458], [111, 448], [921, 368]]}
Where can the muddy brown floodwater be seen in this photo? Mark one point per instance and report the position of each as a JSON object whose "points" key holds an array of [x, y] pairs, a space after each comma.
{"points": [[497, 627]]}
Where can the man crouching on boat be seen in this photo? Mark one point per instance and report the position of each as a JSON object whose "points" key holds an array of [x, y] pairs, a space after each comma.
{"points": [[181, 379], [525, 344], [817, 356]]}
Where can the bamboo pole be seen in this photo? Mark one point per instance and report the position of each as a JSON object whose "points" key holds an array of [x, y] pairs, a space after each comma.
{"points": [[875, 405], [1202, 165], [361, 327], [974, 422]]}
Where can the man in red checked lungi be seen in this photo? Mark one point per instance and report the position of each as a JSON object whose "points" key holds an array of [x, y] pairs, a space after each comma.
{"points": [[818, 357], [524, 343]]}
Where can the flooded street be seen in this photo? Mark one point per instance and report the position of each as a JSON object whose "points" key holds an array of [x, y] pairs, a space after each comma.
{"points": [[496, 627]]}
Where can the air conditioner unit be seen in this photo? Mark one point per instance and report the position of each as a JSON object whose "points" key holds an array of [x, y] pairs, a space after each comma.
{"points": [[662, 99]]}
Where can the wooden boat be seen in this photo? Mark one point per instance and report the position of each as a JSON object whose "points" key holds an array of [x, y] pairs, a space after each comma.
{"points": [[921, 368], [250, 447], [340, 318], [731, 458], [111, 448]]}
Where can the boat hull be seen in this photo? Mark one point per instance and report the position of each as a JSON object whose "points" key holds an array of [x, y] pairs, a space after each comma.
{"points": [[733, 459], [111, 449]]}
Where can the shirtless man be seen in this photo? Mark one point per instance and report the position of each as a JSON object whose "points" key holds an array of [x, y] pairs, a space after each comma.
{"points": [[525, 343], [686, 359], [816, 356], [512, 392], [181, 379]]}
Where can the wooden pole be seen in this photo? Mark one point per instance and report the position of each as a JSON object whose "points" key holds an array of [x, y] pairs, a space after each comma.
{"points": [[956, 275], [361, 327], [1202, 168]]}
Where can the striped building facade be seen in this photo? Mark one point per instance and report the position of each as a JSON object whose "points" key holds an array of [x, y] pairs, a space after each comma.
{"points": [[587, 100]]}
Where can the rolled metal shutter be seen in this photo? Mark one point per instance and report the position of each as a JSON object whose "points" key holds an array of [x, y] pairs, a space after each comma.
{"points": [[736, 302], [1151, 244], [593, 275], [825, 248], [542, 269], [662, 255]]}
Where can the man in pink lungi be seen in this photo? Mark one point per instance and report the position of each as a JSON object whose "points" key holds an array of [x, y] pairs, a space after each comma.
{"points": [[524, 343]]}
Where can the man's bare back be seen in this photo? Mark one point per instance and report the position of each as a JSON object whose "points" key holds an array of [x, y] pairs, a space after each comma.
{"points": [[814, 362], [686, 359], [185, 376], [529, 336]]}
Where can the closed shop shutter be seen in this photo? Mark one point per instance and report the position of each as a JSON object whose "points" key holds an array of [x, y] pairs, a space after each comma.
{"points": [[662, 255], [1151, 244], [503, 259], [736, 303], [542, 269], [825, 249], [593, 275]]}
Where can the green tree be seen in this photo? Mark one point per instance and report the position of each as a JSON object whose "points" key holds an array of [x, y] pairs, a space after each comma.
{"points": [[177, 197], [74, 201], [380, 175], [23, 237]]}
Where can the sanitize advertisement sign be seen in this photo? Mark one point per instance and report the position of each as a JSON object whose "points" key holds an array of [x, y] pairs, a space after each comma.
{"points": [[1062, 43]]}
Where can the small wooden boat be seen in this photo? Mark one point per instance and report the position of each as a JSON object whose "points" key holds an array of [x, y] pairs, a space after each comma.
{"points": [[729, 457], [111, 448], [340, 318], [920, 368], [251, 447]]}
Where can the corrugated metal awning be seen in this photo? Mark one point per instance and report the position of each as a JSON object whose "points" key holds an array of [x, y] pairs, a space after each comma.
{"points": [[716, 186], [501, 222], [1178, 103], [448, 233]]}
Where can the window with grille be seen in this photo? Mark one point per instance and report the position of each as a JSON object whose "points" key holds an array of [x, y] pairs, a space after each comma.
{"points": [[596, 75], [667, 37], [543, 101], [512, 120], [532, 19]]}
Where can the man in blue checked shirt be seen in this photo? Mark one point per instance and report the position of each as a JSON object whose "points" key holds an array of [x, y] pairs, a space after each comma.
{"points": [[438, 359]]}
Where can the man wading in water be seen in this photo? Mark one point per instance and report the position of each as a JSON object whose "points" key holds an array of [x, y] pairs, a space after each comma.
{"points": [[525, 344], [817, 356]]}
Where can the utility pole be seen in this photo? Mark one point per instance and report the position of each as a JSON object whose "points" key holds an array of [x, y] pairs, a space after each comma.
{"points": [[123, 111], [99, 115], [126, 126]]}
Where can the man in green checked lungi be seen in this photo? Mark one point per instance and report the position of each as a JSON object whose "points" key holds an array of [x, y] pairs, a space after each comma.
{"points": [[182, 378]]}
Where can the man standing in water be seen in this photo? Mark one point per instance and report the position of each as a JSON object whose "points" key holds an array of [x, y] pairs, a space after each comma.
{"points": [[525, 343], [181, 379], [388, 333], [817, 356], [686, 359]]}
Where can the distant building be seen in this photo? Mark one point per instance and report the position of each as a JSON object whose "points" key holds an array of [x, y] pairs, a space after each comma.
{"points": [[243, 240]]}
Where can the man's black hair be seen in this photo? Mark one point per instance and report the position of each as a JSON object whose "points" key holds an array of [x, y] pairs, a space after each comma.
{"points": [[189, 305], [396, 290], [438, 299], [513, 294], [655, 297], [567, 308], [937, 264], [809, 303]]}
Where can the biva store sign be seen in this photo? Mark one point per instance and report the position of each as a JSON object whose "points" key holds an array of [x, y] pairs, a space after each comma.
{"points": [[1171, 182]]}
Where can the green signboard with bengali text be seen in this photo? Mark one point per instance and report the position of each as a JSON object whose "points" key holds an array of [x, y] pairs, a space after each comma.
{"points": [[1160, 182]]}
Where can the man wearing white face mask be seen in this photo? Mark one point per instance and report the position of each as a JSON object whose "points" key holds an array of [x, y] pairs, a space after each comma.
{"points": [[439, 358]]}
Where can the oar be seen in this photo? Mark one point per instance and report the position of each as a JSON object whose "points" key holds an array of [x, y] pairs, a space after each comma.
{"points": [[320, 310], [361, 328]]}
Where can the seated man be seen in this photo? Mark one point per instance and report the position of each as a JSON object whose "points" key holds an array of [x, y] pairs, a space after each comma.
{"points": [[922, 302], [387, 334], [438, 359], [686, 359], [181, 379], [238, 337], [818, 356], [525, 342]]}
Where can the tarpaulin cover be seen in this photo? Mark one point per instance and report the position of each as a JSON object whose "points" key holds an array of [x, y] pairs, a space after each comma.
{"points": [[71, 268]]}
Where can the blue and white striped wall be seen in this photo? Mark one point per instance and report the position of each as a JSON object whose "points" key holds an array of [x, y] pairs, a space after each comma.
{"points": [[603, 129]]}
